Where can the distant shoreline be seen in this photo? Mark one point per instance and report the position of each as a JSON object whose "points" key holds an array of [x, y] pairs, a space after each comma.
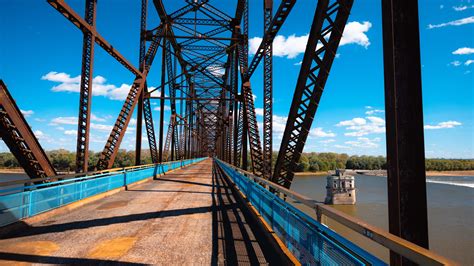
{"points": [[384, 173], [21, 171], [12, 171], [318, 173]]}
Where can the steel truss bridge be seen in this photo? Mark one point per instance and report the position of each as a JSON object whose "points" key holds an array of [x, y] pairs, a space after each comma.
{"points": [[206, 74]]}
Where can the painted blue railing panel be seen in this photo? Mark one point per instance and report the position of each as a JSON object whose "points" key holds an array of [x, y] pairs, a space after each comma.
{"points": [[311, 242], [44, 197]]}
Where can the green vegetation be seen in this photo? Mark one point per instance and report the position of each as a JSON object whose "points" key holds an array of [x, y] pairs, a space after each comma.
{"points": [[326, 161], [64, 160]]}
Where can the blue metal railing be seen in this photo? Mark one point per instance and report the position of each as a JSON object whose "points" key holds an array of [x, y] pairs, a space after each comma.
{"points": [[21, 202], [309, 241]]}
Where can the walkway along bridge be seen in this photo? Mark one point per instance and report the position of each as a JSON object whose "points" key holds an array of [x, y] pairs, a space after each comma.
{"points": [[197, 203]]}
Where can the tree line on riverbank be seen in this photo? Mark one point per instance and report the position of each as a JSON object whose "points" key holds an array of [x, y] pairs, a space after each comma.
{"points": [[64, 160], [326, 161]]}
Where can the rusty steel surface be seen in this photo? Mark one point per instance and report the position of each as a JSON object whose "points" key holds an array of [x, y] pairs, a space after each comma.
{"points": [[406, 176], [20, 139], [267, 92], [85, 98], [79, 22], [205, 69], [326, 31], [188, 216]]}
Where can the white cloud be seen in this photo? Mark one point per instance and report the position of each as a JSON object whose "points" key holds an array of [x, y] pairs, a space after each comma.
{"points": [[61, 77], [376, 120], [217, 71], [327, 141], [458, 22], [373, 111], [64, 121], [39, 134], [360, 127], [102, 127], [99, 85], [462, 7], [73, 121], [158, 108], [97, 119], [298, 63], [364, 143], [279, 124], [468, 62], [259, 111], [320, 133], [292, 46], [27, 113], [441, 125], [353, 122], [464, 50], [455, 63], [70, 132], [342, 146], [156, 93], [355, 33]]}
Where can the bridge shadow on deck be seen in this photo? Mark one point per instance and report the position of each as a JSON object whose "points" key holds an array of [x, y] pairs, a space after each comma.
{"points": [[59, 260], [55, 228], [237, 237]]}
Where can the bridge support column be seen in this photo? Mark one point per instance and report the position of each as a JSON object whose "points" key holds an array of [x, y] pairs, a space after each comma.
{"points": [[406, 181]]}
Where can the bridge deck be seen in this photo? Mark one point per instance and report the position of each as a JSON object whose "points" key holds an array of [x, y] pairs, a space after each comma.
{"points": [[187, 216]]}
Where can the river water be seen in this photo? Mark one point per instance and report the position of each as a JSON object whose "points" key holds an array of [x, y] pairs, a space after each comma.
{"points": [[450, 212]]}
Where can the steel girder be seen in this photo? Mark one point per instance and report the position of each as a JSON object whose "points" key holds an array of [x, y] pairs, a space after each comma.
{"points": [[406, 176], [267, 92], [203, 66], [144, 105], [326, 31], [20, 139], [107, 156], [72, 16], [85, 98], [271, 30], [169, 139]]}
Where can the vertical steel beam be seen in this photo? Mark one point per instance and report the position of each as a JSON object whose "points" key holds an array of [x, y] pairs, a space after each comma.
{"points": [[138, 138], [85, 98], [267, 92], [141, 63], [162, 100], [406, 180], [235, 88], [245, 129]]}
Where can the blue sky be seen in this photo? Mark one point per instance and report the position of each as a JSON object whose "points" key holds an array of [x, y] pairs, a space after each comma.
{"points": [[40, 61]]}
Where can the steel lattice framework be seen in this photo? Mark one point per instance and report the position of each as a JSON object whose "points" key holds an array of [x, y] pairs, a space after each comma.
{"points": [[206, 79], [325, 34]]}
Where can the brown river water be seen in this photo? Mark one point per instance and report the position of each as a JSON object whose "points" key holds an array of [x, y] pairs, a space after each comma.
{"points": [[450, 212]]}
